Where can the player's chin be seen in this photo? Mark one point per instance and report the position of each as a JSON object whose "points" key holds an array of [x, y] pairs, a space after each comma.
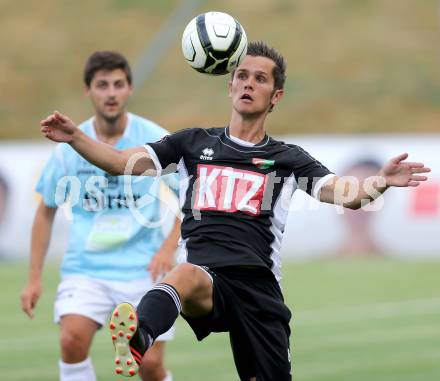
{"points": [[249, 110], [112, 116]]}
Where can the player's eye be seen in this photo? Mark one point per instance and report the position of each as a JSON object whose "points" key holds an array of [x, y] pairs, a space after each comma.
{"points": [[101, 85], [242, 75], [261, 78]]}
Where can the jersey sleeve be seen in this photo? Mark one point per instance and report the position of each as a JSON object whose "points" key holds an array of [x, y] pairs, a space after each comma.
{"points": [[310, 174], [167, 152], [53, 171]]}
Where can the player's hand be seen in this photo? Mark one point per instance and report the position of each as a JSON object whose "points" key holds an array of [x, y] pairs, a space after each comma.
{"points": [[161, 263], [58, 127], [400, 173], [29, 297]]}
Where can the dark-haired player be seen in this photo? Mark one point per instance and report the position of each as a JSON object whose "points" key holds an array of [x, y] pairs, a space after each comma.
{"points": [[235, 190], [116, 248]]}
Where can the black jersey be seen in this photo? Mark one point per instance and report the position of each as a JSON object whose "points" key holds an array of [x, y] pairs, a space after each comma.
{"points": [[235, 198]]}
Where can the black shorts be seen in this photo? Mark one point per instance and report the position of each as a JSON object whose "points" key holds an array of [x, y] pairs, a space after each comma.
{"points": [[248, 304]]}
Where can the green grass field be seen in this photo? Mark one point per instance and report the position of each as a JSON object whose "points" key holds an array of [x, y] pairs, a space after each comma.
{"points": [[354, 320]]}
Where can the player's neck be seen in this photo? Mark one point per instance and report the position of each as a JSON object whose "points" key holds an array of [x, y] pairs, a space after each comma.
{"points": [[108, 131], [247, 129]]}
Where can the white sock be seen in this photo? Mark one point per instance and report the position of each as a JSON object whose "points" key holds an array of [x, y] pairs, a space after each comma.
{"points": [[81, 371], [168, 377]]}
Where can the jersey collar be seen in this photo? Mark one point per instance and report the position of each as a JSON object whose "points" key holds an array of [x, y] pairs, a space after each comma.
{"points": [[262, 143]]}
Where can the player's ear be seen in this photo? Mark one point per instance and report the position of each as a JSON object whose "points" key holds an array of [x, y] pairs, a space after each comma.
{"points": [[277, 95], [86, 90]]}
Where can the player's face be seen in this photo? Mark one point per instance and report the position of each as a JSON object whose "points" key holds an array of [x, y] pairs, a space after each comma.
{"points": [[109, 92], [252, 88]]}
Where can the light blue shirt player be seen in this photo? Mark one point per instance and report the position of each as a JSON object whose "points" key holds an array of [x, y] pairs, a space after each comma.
{"points": [[117, 220]]}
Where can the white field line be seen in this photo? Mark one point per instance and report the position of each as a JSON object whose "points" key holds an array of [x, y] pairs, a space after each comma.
{"points": [[416, 307]]}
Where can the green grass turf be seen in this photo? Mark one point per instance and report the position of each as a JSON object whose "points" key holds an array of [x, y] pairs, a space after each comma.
{"points": [[354, 320]]}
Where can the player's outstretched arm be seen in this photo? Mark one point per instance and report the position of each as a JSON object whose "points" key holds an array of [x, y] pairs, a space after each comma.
{"points": [[60, 128], [353, 193]]}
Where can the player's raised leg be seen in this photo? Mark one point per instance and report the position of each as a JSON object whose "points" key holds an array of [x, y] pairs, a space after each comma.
{"points": [[186, 288]]}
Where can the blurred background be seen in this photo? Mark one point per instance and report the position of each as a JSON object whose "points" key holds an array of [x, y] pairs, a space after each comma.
{"points": [[363, 86]]}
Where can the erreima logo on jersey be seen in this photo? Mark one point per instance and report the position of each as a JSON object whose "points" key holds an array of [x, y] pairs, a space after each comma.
{"points": [[207, 154]]}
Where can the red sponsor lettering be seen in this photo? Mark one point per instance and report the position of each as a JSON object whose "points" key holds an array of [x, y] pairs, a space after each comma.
{"points": [[229, 189]]}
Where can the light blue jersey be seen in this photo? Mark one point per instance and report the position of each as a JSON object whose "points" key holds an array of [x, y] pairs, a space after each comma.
{"points": [[116, 227]]}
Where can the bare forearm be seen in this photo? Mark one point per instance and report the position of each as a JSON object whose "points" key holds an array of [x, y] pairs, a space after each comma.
{"points": [[100, 154], [173, 238], [132, 161], [368, 190], [163, 261], [60, 128], [41, 232], [353, 193]]}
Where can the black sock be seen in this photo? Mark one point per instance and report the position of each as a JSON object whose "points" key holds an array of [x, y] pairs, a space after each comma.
{"points": [[158, 310]]}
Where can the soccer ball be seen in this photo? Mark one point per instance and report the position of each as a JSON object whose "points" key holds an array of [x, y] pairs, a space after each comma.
{"points": [[214, 43]]}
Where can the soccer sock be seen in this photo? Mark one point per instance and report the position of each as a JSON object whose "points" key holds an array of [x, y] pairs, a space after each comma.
{"points": [[158, 310], [81, 371]]}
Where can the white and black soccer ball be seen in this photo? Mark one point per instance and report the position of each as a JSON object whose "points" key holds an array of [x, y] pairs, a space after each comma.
{"points": [[214, 43]]}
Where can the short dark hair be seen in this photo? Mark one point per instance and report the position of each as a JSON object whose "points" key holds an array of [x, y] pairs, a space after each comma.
{"points": [[106, 60], [261, 49]]}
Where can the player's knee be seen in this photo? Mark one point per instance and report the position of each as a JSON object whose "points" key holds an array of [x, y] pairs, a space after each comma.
{"points": [[185, 274], [186, 269], [189, 281], [73, 348]]}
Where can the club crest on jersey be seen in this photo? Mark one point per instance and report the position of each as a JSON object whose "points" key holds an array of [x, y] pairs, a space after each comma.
{"points": [[262, 163], [207, 154]]}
